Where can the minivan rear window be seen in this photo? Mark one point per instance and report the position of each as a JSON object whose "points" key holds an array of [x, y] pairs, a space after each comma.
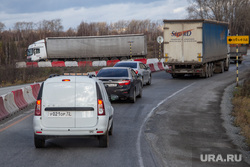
{"points": [[113, 73], [131, 65]]}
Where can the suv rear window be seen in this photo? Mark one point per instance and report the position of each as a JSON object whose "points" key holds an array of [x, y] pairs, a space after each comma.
{"points": [[113, 73], [131, 65]]}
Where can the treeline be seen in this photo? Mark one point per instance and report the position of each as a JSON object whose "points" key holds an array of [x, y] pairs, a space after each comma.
{"points": [[14, 42], [235, 12]]}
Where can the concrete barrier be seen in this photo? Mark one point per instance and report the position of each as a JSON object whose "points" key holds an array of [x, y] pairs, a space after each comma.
{"points": [[160, 65], [153, 60], [156, 67], [28, 95], [71, 64], [58, 64], [152, 68], [9, 103], [99, 63], [112, 62], [32, 64], [19, 99], [85, 63], [35, 90], [44, 64], [141, 60], [3, 112], [21, 64]]}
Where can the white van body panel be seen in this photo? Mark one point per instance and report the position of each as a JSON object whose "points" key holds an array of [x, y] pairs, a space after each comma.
{"points": [[76, 100]]}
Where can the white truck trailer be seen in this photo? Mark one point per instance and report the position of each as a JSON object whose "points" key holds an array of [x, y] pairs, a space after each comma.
{"points": [[88, 47], [196, 47]]}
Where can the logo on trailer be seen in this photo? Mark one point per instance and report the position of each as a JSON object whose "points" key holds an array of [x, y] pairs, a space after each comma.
{"points": [[184, 33]]}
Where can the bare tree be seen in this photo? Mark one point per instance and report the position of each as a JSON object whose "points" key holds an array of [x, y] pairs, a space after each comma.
{"points": [[2, 27], [233, 11]]}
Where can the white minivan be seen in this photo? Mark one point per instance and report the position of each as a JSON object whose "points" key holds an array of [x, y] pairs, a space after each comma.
{"points": [[72, 106]]}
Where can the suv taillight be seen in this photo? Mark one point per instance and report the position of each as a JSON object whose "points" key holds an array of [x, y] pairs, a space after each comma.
{"points": [[38, 109], [124, 82], [100, 107]]}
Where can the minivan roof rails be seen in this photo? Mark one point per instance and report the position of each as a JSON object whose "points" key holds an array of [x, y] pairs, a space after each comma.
{"points": [[53, 75]]}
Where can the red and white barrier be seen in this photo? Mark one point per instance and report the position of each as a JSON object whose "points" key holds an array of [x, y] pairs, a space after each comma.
{"points": [[3, 112], [102, 63], [28, 95], [19, 99], [9, 103], [35, 90]]}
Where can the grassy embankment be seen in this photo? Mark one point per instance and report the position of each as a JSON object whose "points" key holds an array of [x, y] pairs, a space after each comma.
{"points": [[241, 111]]}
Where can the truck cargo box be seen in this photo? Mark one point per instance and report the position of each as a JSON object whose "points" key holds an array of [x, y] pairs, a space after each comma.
{"points": [[96, 46], [194, 41], [197, 47]]}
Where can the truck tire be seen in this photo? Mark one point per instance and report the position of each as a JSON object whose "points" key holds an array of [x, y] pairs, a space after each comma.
{"points": [[212, 69], [222, 67], [227, 66]]}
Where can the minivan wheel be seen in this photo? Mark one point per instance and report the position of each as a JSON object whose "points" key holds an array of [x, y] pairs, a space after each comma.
{"points": [[39, 141], [111, 129], [104, 140]]}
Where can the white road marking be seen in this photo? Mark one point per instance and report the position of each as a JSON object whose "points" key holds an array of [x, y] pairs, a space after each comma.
{"points": [[138, 143]]}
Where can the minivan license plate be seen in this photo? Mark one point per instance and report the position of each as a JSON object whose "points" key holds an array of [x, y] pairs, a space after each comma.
{"points": [[60, 114]]}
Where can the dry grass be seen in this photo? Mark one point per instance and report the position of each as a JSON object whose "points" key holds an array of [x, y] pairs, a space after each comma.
{"points": [[241, 103]]}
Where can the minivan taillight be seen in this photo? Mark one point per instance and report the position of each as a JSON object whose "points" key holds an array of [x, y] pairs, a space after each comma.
{"points": [[38, 108], [100, 107]]}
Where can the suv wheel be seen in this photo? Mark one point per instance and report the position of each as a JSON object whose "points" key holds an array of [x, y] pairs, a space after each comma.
{"points": [[39, 141]]}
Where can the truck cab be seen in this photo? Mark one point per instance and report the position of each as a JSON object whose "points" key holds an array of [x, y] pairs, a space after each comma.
{"points": [[37, 51]]}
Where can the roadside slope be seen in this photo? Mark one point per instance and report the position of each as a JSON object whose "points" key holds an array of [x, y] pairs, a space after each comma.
{"points": [[190, 125]]}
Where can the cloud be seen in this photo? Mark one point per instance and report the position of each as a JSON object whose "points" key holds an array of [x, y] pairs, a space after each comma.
{"points": [[72, 17]]}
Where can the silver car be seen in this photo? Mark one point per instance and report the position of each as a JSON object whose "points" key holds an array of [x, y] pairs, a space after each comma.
{"points": [[139, 68]]}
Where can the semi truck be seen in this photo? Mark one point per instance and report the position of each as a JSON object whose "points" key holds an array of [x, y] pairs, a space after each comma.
{"points": [[242, 50], [195, 47], [88, 48]]}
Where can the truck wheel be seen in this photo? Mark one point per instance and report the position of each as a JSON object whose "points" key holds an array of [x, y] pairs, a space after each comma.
{"points": [[222, 67], [212, 69], [227, 66], [207, 73]]}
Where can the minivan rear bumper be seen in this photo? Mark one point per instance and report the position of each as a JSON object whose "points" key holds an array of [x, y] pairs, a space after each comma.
{"points": [[99, 129]]}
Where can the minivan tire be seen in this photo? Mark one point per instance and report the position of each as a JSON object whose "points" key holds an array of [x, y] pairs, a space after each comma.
{"points": [[111, 129], [104, 140], [39, 141]]}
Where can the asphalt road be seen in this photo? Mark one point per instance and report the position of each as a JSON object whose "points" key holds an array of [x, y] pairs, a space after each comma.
{"points": [[189, 127], [161, 120], [126, 147]]}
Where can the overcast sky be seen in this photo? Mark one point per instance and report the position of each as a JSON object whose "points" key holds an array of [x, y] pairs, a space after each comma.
{"points": [[73, 12]]}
